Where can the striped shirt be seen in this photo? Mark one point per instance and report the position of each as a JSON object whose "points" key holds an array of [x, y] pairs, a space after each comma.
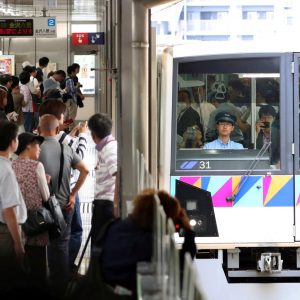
{"points": [[106, 169], [78, 144]]}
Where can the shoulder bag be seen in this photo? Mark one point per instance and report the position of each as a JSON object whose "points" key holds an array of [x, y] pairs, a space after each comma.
{"points": [[38, 221], [53, 205]]}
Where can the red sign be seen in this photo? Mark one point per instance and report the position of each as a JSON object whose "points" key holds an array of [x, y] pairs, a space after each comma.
{"points": [[80, 38]]}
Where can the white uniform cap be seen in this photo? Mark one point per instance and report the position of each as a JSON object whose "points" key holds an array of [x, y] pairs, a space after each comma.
{"points": [[26, 63], [189, 83]]}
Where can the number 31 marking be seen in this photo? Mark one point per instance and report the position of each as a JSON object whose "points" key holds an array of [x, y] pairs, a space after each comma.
{"points": [[204, 165]]}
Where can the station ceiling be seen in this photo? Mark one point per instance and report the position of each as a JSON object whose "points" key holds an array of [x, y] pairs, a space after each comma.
{"points": [[63, 10]]}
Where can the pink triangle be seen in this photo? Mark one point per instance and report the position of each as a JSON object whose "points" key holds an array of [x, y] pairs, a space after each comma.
{"points": [[219, 198], [298, 200], [266, 184], [189, 180]]}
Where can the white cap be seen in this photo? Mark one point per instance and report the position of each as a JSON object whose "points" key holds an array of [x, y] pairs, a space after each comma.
{"points": [[189, 83], [26, 63]]}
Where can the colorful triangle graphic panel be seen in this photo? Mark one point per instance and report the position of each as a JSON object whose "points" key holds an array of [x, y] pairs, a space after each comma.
{"points": [[250, 192], [205, 182], [173, 185], [276, 185], [297, 190], [284, 195], [217, 182], [189, 179], [219, 198]]}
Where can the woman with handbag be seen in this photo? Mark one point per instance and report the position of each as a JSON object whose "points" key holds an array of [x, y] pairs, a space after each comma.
{"points": [[32, 180]]}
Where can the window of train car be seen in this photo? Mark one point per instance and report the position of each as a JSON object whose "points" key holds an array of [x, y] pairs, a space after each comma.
{"points": [[228, 115]]}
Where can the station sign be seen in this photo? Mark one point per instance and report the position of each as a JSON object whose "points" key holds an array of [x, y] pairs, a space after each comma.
{"points": [[16, 27], [87, 38], [45, 27], [28, 27]]}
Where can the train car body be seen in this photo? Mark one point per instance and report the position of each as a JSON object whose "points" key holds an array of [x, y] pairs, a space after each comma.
{"points": [[254, 191]]}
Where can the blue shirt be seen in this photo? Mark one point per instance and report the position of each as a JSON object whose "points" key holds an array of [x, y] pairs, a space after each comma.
{"points": [[218, 144]]}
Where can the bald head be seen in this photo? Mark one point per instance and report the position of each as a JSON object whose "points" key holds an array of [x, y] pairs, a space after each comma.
{"points": [[48, 125]]}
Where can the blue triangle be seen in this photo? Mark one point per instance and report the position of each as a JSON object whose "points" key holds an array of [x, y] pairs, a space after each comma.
{"points": [[251, 195], [205, 182], [251, 182]]}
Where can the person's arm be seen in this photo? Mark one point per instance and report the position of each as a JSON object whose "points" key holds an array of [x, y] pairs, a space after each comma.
{"points": [[116, 197], [13, 227], [83, 172], [42, 182]]}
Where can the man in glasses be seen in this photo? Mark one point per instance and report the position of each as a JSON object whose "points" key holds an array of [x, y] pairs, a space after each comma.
{"points": [[224, 125]]}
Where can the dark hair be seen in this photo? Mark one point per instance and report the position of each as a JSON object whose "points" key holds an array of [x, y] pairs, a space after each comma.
{"points": [[15, 81], [4, 79], [24, 77], [267, 110], [52, 94], [3, 94], [8, 132], [61, 73], [188, 94], [144, 203], [77, 66], [100, 125], [71, 69], [29, 69], [52, 107], [237, 84], [50, 74], [43, 61]]}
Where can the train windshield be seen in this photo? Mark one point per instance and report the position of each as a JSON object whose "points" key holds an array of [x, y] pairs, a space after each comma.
{"points": [[228, 114]]}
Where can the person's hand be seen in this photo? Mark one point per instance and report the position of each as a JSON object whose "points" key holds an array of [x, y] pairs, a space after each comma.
{"points": [[83, 128], [116, 211], [20, 253], [183, 219], [70, 205], [74, 131], [48, 178]]}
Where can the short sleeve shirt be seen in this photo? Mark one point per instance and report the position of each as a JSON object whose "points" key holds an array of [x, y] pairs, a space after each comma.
{"points": [[106, 169], [10, 194], [219, 145]]}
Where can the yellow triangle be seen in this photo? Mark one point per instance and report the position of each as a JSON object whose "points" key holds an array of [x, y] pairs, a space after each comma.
{"points": [[235, 182], [277, 182], [198, 183]]}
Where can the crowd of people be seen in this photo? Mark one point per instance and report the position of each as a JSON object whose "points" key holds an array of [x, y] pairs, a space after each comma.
{"points": [[219, 116], [22, 95], [41, 154]]}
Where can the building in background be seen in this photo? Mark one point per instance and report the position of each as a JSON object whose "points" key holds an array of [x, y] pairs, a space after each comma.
{"points": [[227, 20]]}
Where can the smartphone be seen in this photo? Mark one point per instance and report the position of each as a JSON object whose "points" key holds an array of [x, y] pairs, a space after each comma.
{"points": [[265, 125]]}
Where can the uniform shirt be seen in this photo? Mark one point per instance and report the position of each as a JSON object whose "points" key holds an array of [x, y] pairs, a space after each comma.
{"points": [[106, 168], [10, 194], [218, 144]]}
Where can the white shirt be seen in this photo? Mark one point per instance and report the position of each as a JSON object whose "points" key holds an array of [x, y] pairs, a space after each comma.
{"points": [[10, 194], [106, 169]]}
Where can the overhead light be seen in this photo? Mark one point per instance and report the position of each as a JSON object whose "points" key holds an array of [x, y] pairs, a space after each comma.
{"points": [[259, 75]]}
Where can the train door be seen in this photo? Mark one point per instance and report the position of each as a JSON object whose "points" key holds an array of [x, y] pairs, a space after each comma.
{"points": [[296, 143]]}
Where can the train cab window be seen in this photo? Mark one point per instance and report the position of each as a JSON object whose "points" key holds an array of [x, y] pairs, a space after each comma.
{"points": [[227, 114]]}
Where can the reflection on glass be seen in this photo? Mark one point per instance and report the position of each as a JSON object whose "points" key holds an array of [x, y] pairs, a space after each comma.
{"points": [[230, 111]]}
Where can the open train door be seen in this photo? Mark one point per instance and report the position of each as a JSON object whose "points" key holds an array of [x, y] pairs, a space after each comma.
{"points": [[296, 66]]}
